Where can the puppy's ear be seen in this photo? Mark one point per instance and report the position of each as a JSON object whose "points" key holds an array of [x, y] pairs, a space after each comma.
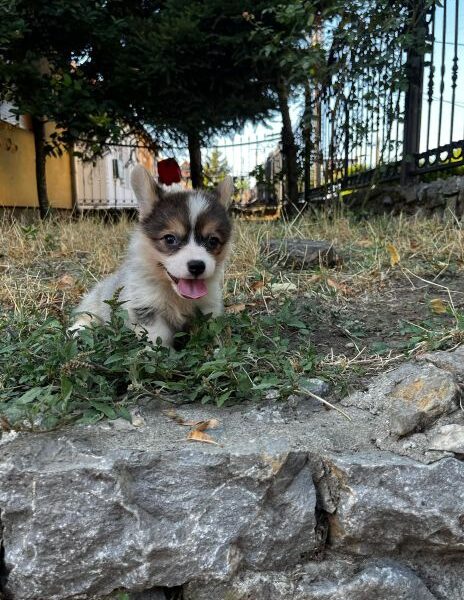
{"points": [[224, 190], [145, 189]]}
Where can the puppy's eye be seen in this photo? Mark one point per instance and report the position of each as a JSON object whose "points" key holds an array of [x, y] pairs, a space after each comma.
{"points": [[170, 239], [212, 242]]}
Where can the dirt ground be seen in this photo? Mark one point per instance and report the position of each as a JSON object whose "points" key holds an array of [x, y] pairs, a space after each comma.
{"points": [[379, 329], [380, 319]]}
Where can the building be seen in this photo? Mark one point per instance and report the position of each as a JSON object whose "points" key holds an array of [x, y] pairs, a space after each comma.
{"points": [[270, 184], [71, 182]]}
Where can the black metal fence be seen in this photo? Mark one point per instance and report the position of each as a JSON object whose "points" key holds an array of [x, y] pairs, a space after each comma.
{"points": [[396, 111]]}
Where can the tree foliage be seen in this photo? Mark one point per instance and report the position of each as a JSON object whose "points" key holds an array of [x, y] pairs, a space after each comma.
{"points": [[172, 65], [215, 169], [184, 69]]}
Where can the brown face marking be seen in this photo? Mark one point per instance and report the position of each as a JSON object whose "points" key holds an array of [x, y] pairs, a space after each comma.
{"points": [[213, 228], [171, 216]]}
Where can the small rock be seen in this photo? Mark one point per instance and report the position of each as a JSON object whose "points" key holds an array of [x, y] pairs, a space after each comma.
{"points": [[449, 361], [272, 394], [301, 254], [278, 288], [450, 438], [316, 386], [137, 419], [408, 444], [420, 397], [293, 401], [270, 414], [8, 436]]}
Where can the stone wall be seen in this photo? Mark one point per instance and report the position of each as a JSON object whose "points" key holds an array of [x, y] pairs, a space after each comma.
{"points": [[444, 197], [296, 502]]}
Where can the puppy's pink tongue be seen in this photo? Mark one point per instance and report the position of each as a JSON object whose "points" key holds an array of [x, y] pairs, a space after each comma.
{"points": [[192, 288]]}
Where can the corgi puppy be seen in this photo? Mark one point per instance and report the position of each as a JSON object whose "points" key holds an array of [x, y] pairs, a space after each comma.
{"points": [[175, 261]]}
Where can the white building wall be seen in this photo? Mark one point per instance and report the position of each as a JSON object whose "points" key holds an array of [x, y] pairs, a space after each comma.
{"points": [[105, 184]]}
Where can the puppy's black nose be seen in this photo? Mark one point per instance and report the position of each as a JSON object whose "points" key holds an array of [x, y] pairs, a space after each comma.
{"points": [[196, 267]]}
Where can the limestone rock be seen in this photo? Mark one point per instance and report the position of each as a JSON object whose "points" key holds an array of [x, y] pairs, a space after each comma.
{"points": [[297, 502], [449, 438], [422, 394], [338, 581], [88, 512], [301, 254], [385, 503], [449, 361], [316, 386]]}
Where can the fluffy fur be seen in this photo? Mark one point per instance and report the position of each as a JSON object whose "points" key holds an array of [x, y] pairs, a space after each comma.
{"points": [[178, 248]]}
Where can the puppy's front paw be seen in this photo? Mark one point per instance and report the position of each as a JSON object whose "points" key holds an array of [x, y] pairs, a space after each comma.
{"points": [[82, 322]]}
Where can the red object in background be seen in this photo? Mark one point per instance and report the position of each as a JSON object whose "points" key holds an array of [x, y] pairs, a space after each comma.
{"points": [[169, 171]]}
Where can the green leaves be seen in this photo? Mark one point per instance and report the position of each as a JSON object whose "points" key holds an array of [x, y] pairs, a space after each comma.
{"points": [[48, 378]]}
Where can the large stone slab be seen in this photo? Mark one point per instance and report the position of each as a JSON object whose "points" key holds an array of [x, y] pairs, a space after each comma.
{"points": [[87, 513], [301, 253], [90, 511], [339, 580], [386, 504]]}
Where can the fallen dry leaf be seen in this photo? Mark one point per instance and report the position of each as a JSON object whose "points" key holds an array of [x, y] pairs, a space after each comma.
{"points": [[65, 281], [339, 287], [209, 424], [438, 306], [257, 285], [394, 255], [199, 436], [201, 425], [172, 414], [235, 308]]}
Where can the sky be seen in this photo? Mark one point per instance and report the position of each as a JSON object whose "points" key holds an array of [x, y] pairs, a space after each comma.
{"points": [[243, 158], [444, 46], [248, 147], [251, 146]]}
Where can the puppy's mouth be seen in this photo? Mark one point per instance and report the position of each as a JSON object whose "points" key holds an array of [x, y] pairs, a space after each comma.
{"points": [[189, 288]]}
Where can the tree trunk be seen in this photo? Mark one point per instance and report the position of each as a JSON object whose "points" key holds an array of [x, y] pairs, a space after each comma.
{"points": [[196, 168], [288, 148], [38, 128]]}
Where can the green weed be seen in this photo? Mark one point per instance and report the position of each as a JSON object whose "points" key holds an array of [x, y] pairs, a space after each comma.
{"points": [[49, 378], [439, 332]]}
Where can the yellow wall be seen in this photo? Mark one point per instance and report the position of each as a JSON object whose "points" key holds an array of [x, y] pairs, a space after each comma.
{"points": [[17, 171]]}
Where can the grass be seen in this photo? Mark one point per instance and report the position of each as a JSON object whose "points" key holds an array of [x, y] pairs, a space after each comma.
{"points": [[396, 292]]}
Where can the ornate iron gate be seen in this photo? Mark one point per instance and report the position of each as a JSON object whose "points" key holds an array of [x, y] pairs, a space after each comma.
{"points": [[393, 108]]}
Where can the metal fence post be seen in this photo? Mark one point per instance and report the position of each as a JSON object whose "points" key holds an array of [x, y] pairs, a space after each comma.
{"points": [[346, 157], [413, 98]]}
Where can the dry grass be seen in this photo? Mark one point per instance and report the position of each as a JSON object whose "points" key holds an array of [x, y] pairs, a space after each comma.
{"points": [[49, 265], [427, 247], [45, 268]]}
